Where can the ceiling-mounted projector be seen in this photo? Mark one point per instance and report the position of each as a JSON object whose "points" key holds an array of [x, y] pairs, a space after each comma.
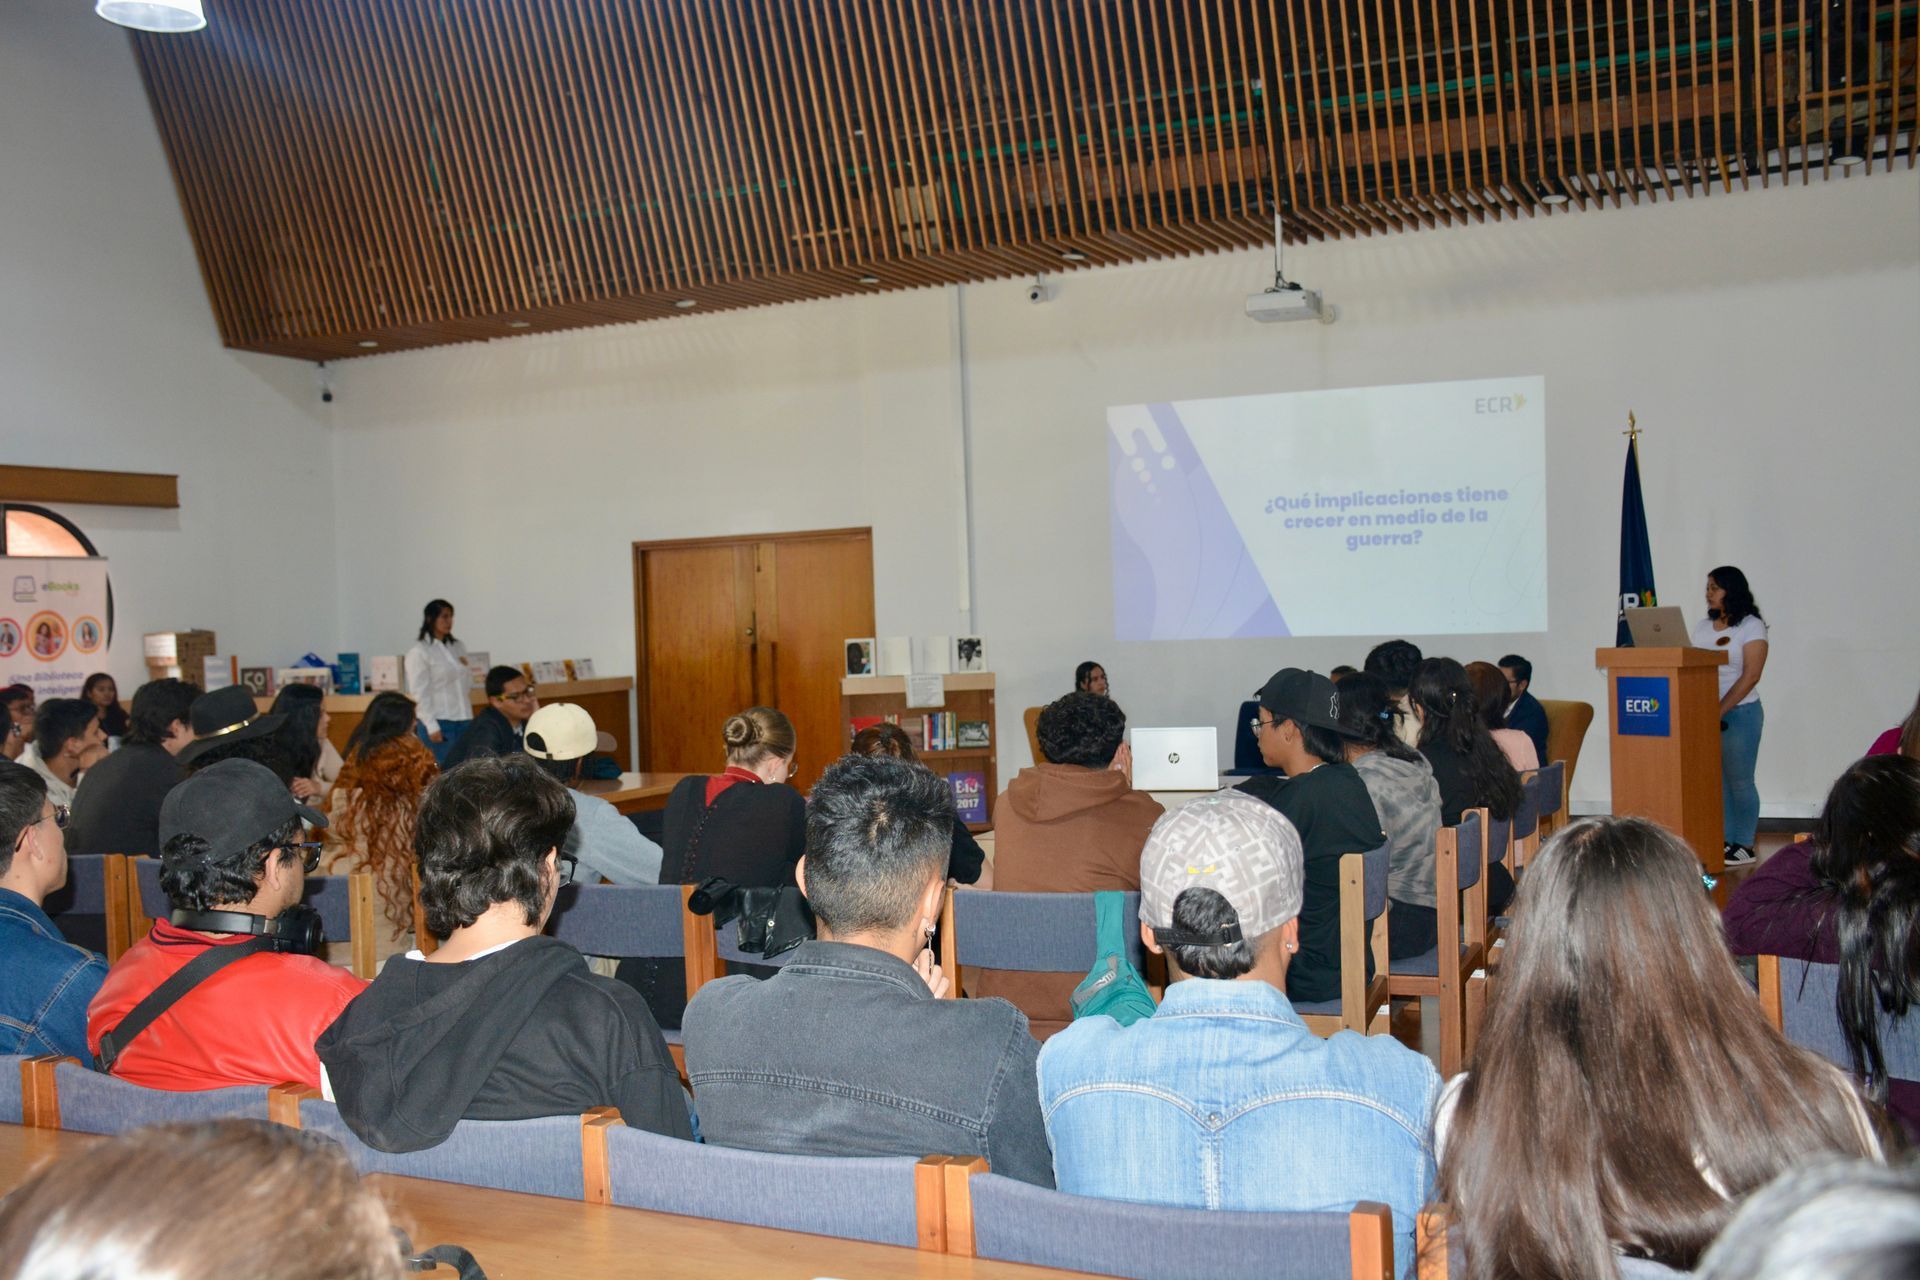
{"points": [[1288, 301]]}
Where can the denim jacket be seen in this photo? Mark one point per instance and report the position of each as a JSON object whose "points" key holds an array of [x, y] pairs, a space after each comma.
{"points": [[1224, 1100], [45, 983], [845, 1052]]}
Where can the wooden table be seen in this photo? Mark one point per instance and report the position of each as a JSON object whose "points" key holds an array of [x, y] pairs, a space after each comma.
{"points": [[634, 792], [522, 1237]]}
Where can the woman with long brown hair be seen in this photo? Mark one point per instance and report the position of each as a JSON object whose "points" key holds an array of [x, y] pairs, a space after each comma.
{"points": [[375, 801], [1627, 1092]]}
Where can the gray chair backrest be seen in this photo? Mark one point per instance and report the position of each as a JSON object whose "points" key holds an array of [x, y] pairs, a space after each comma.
{"points": [[1807, 992], [10, 1089], [620, 920], [1547, 781], [1499, 838], [1015, 1221], [1034, 932], [326, 894], [94, 1103], [855, 1198], [539, 1157], [1467, 836], [1376, 867], [1526, 818]]}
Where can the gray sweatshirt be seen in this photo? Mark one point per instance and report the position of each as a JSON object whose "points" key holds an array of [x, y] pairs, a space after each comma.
{"points": [[1408, 802]]}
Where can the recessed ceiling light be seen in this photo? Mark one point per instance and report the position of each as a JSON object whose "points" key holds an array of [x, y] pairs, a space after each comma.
{"points": [[1554, 197], [1848, 161], [165, 16], [519, 324], [868, 279], [1072, 255], [368, 342], [687, 303]]}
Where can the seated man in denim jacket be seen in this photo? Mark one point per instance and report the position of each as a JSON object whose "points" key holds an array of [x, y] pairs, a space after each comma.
{"points": [[45, 981], [1223, 1099], [847, 1050]]}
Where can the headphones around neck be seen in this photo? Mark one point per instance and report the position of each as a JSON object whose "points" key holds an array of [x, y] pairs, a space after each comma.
{"points": [[297, 930]]}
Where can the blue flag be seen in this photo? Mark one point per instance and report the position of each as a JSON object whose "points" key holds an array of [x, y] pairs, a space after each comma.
{"points": [[1636, 556]]}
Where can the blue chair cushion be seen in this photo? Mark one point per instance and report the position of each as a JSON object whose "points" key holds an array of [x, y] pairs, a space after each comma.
{"points": [[91, 1102], [1034, 932], [540, 1157], [10, 1091], [639, 920]]}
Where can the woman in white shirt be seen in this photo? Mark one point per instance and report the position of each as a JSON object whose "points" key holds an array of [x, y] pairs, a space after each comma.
{"points": [[1733, 626], [438, 682]]}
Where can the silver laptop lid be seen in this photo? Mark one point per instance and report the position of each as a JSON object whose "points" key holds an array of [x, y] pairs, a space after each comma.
{"points": [[1664, 627], [1176, 759]]}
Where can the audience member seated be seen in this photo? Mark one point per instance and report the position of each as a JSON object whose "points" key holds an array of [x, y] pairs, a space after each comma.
{"points": [[1326, 800], [375, 799], [1090, 677], [1903, 739], [232, 864], [228, 725], [66, 741], [1340, 673], [847, 1050], [1850, 898], [302, 736], [1394, 661], [103, 693], [1832, 1220], [602, 843], [500, 1022], [1294, 1122], [497, 730], [1490, 700], [1472, 770], [45, 981], [17, 701], [221, 1198], [967, 863], [1075, 825], [1627, 1091], [1406, 798], [1524, 711], [116, 808], [745, 825]]}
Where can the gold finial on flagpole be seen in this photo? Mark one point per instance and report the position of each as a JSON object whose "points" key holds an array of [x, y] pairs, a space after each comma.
{"points": [[1633, 429]]}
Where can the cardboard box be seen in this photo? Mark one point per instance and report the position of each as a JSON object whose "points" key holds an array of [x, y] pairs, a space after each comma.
{"points": [[178, 655]]}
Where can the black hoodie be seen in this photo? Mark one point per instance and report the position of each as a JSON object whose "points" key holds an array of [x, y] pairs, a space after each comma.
{"points": [[527, 1031]]}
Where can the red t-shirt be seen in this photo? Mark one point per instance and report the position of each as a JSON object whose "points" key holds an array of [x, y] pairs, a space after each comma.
{"points": [[253, 1022]]}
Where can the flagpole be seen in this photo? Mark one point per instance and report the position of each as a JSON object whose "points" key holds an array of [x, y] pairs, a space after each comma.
{"points": [[1633, 430]]}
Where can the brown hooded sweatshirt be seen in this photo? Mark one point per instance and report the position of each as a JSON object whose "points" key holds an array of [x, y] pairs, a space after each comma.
{"points": [[1062, 828]]}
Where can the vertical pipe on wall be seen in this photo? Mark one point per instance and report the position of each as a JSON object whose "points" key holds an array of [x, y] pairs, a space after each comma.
{"points": [[964, 404]]}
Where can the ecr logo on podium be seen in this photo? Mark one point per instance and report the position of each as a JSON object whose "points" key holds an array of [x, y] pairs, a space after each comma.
{"points": [[1641, 707]]}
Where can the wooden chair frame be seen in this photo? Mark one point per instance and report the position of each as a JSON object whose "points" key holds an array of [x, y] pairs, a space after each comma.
{"points": [[1369, 1224], [1459, 987], [1364, 1006]]}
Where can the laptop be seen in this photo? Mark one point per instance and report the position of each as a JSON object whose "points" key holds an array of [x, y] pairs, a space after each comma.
{"points": [[1176, 759], [1661, 628]]}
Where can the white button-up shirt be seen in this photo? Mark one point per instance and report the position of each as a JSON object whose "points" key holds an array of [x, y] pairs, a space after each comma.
{"points": [[438, 683]]}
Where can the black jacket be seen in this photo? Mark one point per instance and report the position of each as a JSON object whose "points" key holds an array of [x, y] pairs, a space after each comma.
{"points": [[117, 806], [490, 734], [753, 836], [524, 1032], [1530, 718]]}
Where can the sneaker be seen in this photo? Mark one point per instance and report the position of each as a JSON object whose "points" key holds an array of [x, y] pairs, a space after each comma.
{"points": [[1737, 855]]}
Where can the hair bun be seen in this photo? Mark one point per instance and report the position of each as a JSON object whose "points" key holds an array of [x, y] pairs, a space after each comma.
{"points": [[739, 732]]}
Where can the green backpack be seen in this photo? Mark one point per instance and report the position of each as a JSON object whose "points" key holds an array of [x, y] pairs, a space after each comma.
{"points": [[1112, 988]]}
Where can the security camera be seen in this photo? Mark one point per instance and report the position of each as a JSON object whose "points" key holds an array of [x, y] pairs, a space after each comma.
{"points": [[1039, 291], [324, 376]]}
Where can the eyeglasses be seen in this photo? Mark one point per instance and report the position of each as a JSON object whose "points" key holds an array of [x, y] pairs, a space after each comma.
{"points": [[59, 816], [309, 851], [529, 692], [567, 867], [1257, 724]]}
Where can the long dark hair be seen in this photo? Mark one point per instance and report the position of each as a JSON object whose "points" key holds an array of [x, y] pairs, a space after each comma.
{"points": [[1738, 604], [1597, 1112], [389, 716], [1370, 715], [1450, 716], [427, 616], [299, 734], [1867, 852], [113, 716]]}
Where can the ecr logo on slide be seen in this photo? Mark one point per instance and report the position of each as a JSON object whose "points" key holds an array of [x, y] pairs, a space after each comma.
{"points": [[1642, 708], [1499, 404]]}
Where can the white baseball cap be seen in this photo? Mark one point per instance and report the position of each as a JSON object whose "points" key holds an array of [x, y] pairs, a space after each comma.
{"points": [[560, 731]]}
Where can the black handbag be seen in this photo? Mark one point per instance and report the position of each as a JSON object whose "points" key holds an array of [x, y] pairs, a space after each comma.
{"points": [[768, 920]]}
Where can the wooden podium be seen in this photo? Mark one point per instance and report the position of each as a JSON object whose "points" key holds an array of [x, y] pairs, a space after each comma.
{"points": [[1664, 709]]}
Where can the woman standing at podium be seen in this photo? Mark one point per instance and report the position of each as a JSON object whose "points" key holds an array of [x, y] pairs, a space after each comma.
{"points": [[1733, 626]]}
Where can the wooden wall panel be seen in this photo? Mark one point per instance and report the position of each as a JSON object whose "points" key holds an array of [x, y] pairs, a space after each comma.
{"points": [[372, 175]]}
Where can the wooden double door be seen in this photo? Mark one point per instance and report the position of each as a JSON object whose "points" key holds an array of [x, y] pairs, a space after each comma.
{"points": [[722, 624]]}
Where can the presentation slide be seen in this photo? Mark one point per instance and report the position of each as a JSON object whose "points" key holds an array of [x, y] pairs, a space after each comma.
{"points": [[1365, 511]]}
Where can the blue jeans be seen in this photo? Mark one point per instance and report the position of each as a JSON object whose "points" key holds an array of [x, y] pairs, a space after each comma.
{"points": [[1739, 752], [451, 731]]}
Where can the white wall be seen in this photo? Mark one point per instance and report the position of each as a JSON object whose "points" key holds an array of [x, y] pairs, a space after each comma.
{"points": [[1765, 341], [109, 360]]}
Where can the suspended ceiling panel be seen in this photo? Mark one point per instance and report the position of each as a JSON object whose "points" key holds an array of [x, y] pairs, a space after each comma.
{"points": [[373, 175]]}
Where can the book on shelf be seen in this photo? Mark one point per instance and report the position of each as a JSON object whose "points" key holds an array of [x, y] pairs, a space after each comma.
{"points": [[478, 664], [894, 655], [257, 681], [969, 653], [217, 672], [320, 677], [974, 733], [383, 673], [969, 794], [855, 725], [932, 655], [346, 674]]}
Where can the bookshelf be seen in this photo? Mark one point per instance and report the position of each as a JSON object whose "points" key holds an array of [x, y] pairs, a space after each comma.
{"points": [[969, 698]]}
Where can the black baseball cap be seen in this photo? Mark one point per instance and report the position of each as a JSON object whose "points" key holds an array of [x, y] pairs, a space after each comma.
{"points": [[1304, 697], [231, 804]]}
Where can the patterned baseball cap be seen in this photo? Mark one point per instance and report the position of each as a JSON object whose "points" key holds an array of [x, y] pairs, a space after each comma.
{"points": [[1230, 842]]}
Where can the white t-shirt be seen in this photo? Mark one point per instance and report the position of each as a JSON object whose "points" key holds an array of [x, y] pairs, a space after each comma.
{"points": [[1732, 642]]}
